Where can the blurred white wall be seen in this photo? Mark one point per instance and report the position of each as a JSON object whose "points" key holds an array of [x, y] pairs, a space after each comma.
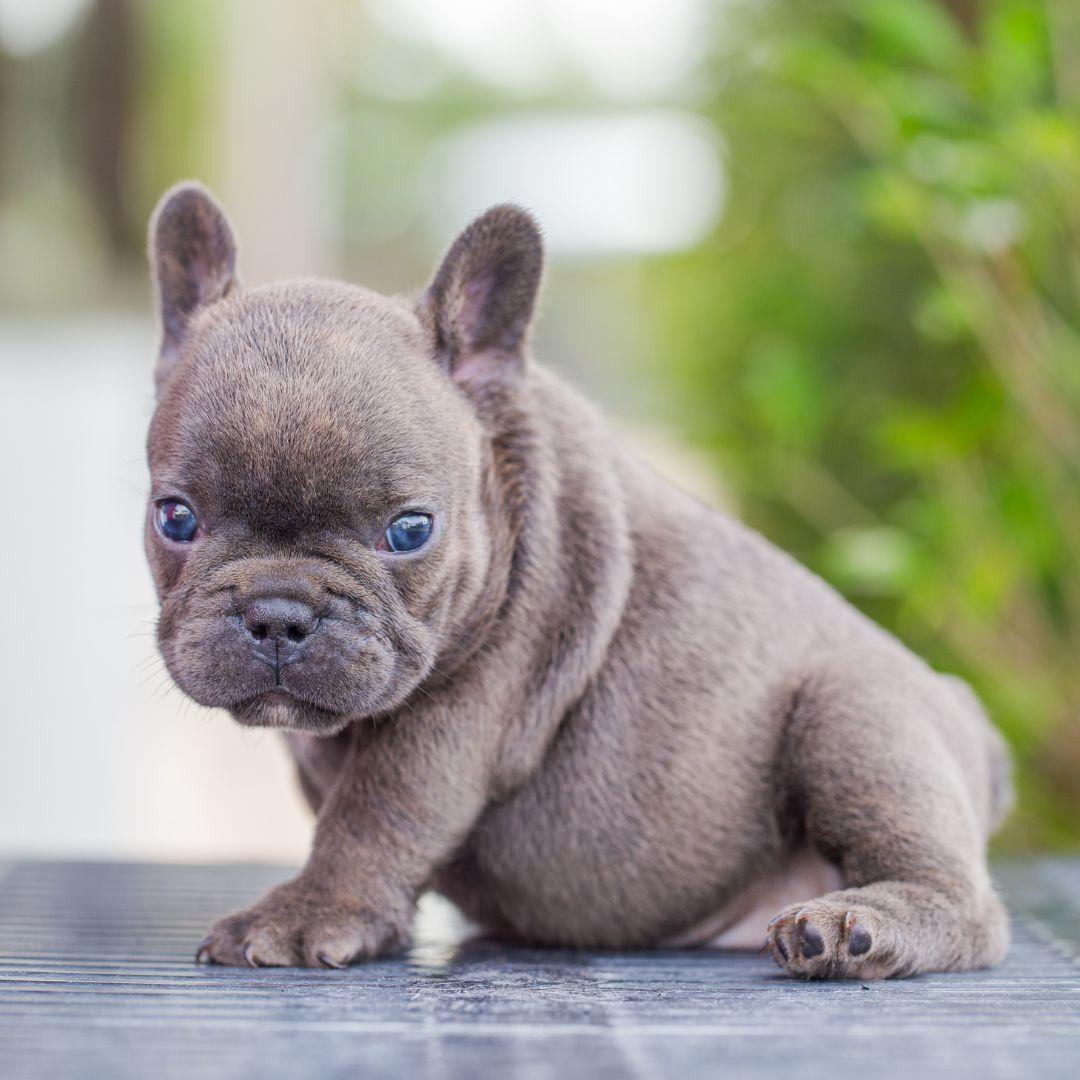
{"points": [[98, 754]]}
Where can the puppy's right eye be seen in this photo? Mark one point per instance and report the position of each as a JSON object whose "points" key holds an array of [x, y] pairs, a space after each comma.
{"points": [[177, 520], [407, 532]]}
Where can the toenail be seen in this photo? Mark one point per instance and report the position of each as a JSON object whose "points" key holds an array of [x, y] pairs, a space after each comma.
{"points": [[202, 953], [813, 943], [859, 941], [781, 948]]}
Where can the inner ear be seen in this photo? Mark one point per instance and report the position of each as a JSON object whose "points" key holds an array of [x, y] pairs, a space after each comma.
{"points": [[193, 257], [482, 297]]}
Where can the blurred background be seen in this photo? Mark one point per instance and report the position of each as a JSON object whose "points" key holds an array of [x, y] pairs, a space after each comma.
{"points": [[820, 259]]}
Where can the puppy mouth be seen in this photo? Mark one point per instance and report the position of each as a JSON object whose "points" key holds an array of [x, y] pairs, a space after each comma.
{"points": [[284, 695], [289, 695], [317, 679], [277, 666], [283, 709]]}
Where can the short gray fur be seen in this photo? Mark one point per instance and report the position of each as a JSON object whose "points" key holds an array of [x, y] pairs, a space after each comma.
{"points": [[96, 979]]}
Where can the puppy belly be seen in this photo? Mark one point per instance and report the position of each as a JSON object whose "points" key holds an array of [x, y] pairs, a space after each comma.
{"points": [[741, 923]]}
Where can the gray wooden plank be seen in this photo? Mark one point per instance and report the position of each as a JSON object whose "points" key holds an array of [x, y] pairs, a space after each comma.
{"points": [[97, 979]]}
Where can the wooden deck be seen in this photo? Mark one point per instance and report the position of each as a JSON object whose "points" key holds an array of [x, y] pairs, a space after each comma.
{"points": [[97, 980]]}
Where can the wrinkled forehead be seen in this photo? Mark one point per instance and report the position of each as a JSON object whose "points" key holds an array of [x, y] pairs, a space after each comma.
{"points": [[303, 419]]}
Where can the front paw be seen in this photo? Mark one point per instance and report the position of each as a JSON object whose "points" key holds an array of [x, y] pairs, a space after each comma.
{"points": [[300, 924]]}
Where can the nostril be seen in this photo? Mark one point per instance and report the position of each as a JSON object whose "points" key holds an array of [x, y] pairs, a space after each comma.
{"points": [[258, 631], [296, 633]]}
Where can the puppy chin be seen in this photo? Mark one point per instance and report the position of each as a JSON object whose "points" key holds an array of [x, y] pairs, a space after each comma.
{"points": [[281, 710]]}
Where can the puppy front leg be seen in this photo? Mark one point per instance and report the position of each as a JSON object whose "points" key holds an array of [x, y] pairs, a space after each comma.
{"points": [[407, 796]]}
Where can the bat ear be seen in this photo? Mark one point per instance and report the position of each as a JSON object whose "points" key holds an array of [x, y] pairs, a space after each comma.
{"points": [[193, 260], [482, 297]]}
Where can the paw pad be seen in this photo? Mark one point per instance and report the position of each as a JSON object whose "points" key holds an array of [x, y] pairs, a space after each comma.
{"points": [[820, 940], [859, 942], [858, 937], [813, 943]]}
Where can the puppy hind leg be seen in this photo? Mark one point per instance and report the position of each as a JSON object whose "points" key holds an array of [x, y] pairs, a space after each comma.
{"points": [[865, 769]]}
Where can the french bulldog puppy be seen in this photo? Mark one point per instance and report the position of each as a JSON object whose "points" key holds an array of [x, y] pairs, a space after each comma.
{"points": [[516, 666]]}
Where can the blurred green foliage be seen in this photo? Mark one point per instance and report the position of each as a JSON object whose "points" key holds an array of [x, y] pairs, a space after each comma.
{"points": [[881, 344]]}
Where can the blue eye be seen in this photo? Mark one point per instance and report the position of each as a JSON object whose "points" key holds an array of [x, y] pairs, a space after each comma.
{"points": [[177, 520], [408, 532]]}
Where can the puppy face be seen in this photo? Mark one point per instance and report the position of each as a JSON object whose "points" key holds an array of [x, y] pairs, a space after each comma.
{"points": [[324, 525]]}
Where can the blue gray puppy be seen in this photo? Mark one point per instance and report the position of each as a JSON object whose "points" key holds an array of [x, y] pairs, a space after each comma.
{"points": [[516, 666]]}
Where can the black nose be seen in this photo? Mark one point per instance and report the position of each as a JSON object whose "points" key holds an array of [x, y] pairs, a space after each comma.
{"points": [[280, 620]]}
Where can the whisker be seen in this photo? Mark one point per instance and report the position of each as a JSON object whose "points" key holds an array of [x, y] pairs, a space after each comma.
{"points": [[164, 684], [152, 674], [162, 695]]}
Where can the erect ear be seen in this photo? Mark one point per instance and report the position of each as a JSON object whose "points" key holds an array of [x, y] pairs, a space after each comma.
{"points": [[482, 296], [193, 257]]}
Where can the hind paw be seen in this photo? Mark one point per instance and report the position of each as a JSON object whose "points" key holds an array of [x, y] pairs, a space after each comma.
{"points": [[823, 939]]}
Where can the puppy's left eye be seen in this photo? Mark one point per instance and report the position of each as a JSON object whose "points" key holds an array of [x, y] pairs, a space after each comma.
{"points": [[407, 532], [177, 520]]}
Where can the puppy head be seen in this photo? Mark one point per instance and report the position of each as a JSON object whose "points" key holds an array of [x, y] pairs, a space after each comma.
{"points": [[326, 524]]}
